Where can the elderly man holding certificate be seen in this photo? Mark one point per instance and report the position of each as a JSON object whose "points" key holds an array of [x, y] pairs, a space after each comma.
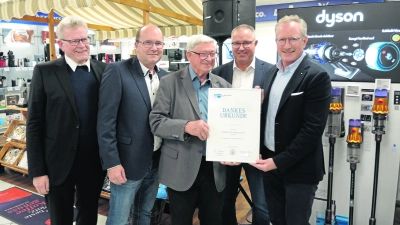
{"points": [[179, 116]]}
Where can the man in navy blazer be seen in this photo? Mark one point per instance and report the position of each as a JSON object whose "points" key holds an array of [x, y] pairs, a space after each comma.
{"points": [[128, 149], [245, 71], [293, 118]]}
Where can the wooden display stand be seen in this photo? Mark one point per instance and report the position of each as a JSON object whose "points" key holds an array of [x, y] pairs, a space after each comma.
{"points": [[15, 139], [23, 111]]}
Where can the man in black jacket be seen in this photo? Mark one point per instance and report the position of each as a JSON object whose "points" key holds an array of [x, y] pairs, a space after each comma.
{"points": [[245, 71], [63, 152]]}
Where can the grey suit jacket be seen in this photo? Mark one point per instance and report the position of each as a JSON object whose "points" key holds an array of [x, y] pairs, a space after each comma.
{"points": [[123, 119], [174, 106], [226, 71]]}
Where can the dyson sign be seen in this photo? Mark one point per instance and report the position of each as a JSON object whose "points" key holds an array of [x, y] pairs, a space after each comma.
{"points": [[333, 18]]}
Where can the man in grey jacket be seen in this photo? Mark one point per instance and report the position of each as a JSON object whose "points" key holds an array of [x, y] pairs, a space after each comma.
{"points": [[179, 116]]}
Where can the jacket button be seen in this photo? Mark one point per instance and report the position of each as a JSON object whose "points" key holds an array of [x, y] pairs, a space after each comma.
{"points": [[77, 126]]}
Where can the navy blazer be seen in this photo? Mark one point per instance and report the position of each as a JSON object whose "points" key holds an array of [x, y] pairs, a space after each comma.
{"points": [[123, 120], [226, 71], [299, 123]]}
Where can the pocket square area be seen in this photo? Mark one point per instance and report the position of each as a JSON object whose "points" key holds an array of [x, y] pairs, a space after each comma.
{"points": [[296, 93]]}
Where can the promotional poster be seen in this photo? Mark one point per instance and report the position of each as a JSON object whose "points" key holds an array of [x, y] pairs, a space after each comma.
{"points": [[358, 42]]}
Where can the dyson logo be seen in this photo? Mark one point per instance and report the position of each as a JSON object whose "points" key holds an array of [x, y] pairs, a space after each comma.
{"points": [[339, 17]]}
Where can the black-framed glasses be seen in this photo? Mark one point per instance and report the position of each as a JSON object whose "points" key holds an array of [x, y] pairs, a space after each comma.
{"points": [[292, 40], [245, 44], [75, 42], [204, 55], [149, 44]]}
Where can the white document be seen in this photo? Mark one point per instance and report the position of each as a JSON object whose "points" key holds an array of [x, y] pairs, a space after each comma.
{"points": [[234, 124]]}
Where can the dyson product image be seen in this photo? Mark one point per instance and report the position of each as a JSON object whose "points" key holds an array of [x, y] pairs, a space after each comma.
{"points": [[354, 140], [334, 128], [382, 56]]}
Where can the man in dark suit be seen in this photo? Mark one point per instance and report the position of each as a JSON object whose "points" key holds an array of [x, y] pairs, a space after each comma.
{"points": [[63, 152], [180, 117], [293, 118], [128, 149], [245, 71]]}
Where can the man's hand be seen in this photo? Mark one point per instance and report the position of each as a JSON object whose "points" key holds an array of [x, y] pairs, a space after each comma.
{"points": [[42, 184], [262, 93], [117, 175], [230, 163], [197, 128], [264, 164]]}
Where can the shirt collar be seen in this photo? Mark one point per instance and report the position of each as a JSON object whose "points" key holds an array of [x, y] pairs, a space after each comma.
{"points": [[252, 64], [73, 64], [194, 76], [145, 70], [292, 66]]}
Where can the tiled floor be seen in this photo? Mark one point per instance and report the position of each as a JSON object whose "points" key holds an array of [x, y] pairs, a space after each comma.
{"points": [[4, 221]]}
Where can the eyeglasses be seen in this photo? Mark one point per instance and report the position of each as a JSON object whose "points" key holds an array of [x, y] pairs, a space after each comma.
{"points": [[203, 55], [292, 40], [245, 44], [149, 44], [75, 42]]}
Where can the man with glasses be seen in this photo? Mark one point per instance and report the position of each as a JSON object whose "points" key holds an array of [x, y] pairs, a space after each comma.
{"points": [[245, 71], [293, 117], [129, 151], [61, 128], [180, 117]]}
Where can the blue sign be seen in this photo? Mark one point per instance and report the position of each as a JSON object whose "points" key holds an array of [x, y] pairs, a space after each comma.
{"points": [[270, 12]]}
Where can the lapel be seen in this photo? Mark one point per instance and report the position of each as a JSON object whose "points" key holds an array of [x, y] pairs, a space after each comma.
{"points": [[229, 72], [269, 80], [62, 74], [96, 69], [138, 76], [259, 72], [189, 89], [294, 82]]}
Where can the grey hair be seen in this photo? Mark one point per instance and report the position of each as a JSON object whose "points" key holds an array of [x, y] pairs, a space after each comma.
{"points": [[70, 22], [244, 27], [194, 40], [295, 18]]}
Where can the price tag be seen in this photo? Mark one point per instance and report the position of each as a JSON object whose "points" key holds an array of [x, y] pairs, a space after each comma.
{"points": [[6, 68], [10, 88], [18, 68], [24, 68], [17, 88], [30, 68]]}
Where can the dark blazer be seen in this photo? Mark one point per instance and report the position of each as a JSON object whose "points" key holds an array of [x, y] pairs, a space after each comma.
{"points": [[175, 105], [53, 121], [123, 120], [226, 71], [299, 123]]}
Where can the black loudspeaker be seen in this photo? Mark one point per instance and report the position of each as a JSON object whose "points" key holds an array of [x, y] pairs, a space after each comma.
{"points": [[221, 16]]}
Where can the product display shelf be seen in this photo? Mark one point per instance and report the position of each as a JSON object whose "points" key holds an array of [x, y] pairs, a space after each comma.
{"points": [[23, 111], [14, 138]]}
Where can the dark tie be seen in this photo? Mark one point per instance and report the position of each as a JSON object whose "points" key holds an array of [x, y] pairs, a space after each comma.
{"points": [[150, 76]]}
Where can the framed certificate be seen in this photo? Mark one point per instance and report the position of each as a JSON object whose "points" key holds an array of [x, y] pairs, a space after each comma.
{"points": [[234, 124]]}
